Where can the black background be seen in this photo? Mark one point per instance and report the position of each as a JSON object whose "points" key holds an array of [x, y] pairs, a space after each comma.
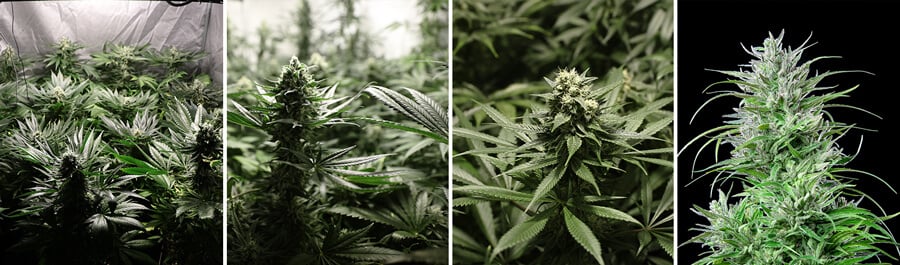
{"points": [[710, 34]]}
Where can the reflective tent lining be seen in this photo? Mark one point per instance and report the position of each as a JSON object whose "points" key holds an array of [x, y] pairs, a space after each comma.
{"points": [[32, 27]]}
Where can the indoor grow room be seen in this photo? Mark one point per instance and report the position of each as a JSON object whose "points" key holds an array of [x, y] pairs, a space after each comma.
{"points": [[111, 132], [562, 150], [337, 148]]}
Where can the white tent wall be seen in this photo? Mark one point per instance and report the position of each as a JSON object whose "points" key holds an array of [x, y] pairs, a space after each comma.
{"points": [[31, 27]]}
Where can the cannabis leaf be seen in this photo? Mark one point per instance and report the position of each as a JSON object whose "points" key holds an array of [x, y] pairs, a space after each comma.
{"points": [[420, 108]]}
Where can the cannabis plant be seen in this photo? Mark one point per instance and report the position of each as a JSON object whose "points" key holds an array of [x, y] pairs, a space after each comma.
{"points": [[798, 204], [79, 216], [64, 58], [8, 62], [107, 171], [571, 169], [121, 63], [297, 104], [173, 59], [571, 163], [61, 97], [343, 158], [307, 182]]}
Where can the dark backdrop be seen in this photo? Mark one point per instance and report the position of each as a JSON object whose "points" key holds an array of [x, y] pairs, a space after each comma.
{"points": [[709, 36]]}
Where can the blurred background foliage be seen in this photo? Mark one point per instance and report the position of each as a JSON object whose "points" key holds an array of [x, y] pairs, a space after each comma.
{"points": [[502, 51], [336, 39], [499, 43]]}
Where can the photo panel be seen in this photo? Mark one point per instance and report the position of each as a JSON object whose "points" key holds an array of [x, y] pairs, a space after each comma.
{"points": [[562, 132], [338, 133], [111, 132], [784, 130]]}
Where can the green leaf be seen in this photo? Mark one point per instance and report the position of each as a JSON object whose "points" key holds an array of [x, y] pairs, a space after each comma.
{"points": [[398, 126], [370, 180], [585, 174], [485, 221], [661, 162], [244, 117], [532, 165], [494, 193], [346, 239], [665, 241], [461, 175], [521, 233], [336, 154], [421, 108], [139, 243], [666, 150], [496, 115], [98, 224], [466, 133], [636, 118], [354, 161], [546, 185], [466, 201], [125, 221], [368, 253], [388, 173], [610, 213], [644, 239], [583, 235], [365, 214], [488, 43], [573, 143], [143, 168], [559, 120], [132, 161], [436, 113], [162, 180], [656, 126]]}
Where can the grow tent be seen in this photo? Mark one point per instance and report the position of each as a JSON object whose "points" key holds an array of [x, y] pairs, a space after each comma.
{"points": [[30, 27], [125, 101]]}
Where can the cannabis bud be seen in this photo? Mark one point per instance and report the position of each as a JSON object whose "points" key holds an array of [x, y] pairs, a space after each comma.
{"points": [[296, 75], [208, 141], [68, 165], [295, 90], [64, 44], [573, 102], [59, 94], [572, 94]]}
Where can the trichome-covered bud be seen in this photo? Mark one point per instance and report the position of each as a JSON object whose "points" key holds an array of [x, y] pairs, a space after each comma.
{"points": [[296, 89], [573, 100], [297, 76]]}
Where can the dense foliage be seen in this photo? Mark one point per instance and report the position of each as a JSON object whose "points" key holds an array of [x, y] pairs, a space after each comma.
{"points": [[798, 204], [336, 161], [570, 169], [114, 159]]}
